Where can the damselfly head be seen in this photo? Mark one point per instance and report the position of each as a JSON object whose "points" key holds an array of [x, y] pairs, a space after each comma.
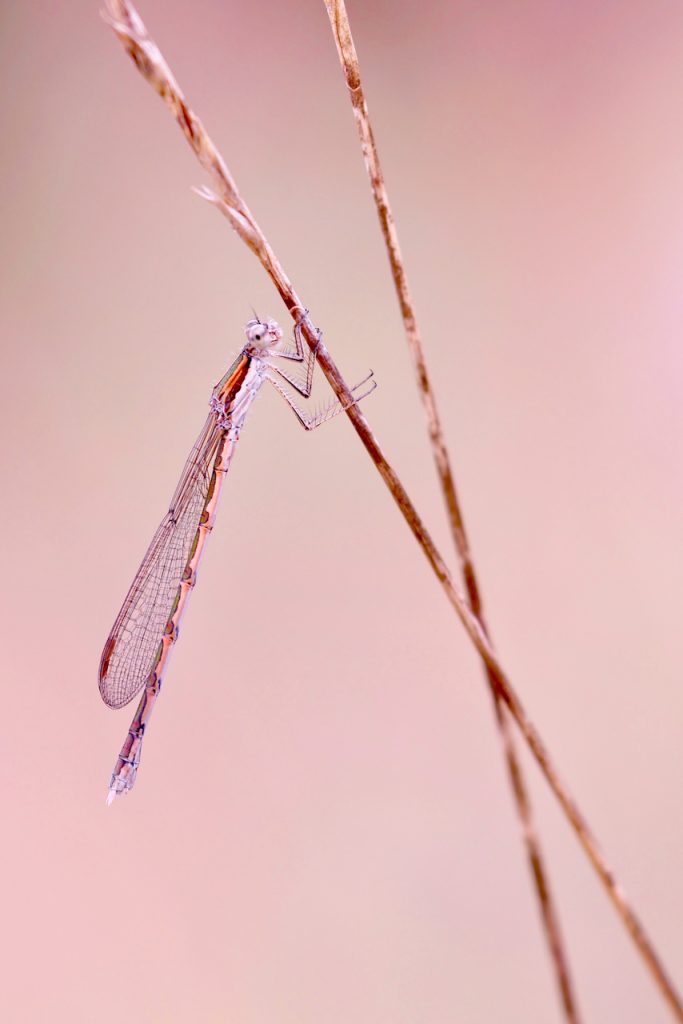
{"points": [[262, 334]]}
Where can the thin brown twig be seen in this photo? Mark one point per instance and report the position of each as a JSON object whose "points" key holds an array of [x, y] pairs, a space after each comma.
{"points": [[128, 26], [346, 49]]}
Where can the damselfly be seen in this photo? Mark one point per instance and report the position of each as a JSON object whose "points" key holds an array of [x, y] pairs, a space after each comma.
{"points": [[138, 648]]}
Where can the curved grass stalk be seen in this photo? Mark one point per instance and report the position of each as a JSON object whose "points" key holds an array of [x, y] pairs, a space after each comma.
{"points": [[341, 30]]}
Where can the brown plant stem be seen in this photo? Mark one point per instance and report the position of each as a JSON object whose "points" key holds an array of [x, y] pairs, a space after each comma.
{"points": [[341, 30], [131, 31]]}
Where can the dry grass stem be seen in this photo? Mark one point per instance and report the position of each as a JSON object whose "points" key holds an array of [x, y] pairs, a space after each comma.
{"points": [[132, 33], [341, 29]]}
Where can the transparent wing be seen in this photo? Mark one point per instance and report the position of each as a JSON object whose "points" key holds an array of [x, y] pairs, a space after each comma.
{"points": [[132, 645]]}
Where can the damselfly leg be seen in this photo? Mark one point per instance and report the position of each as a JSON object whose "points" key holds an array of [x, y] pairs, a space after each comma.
{"points": [[306, 355], [329, 411], [301, 354]]}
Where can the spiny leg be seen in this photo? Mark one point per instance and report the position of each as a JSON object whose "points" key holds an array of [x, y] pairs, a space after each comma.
{"points": [[300, 347], [308, 356], [329, 411], [302, 388], [302, 354]]}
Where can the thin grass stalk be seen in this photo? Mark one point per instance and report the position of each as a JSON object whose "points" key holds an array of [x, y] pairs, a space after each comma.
{"points": [[341, 30], [130, 29]]}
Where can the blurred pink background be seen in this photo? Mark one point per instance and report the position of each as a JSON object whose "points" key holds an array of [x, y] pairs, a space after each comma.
{"points": [[342, 846]]}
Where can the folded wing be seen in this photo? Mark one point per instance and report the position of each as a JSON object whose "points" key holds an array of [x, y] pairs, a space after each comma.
{"points": [[131, 649]]}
